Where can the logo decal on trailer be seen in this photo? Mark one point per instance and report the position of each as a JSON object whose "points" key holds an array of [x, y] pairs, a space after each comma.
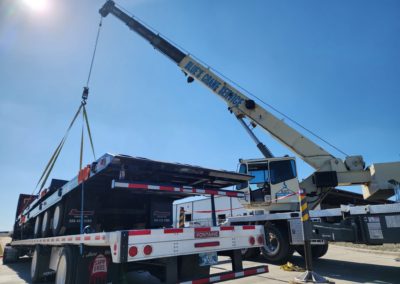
{"points": [[206, 234], [98, 269]]}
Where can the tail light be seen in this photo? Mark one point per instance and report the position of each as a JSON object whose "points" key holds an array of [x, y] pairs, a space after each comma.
{"points": [[133, 251], [148, 249], [252, 240], [260, 239]]}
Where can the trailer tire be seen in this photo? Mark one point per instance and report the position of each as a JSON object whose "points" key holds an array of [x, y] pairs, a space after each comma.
{"points": [[45, 228], [317, 251], [57, 219], [39, 264], [66, 266], [277, 248], [37, 227]]}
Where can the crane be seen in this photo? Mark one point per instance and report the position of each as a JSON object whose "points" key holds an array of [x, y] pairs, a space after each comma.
{"points": [[275, 181]]}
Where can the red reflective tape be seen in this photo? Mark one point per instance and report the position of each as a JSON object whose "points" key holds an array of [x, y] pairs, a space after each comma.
{"points": [[97, 238], [87, 238], [227, 276], [139, 232], [173, 231], [77, 238], [250, 272], [209, 191], [207, 244], [207, 229], [135, 185], [249, 227], [201, 281], [69, 239], [227, 228], [63, 239], [231, 193], [166, 188]]}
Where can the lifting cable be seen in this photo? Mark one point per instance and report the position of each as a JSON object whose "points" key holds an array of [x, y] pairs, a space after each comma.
{"points": [[85, 122]]}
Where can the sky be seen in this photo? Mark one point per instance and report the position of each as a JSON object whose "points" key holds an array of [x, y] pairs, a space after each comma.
{"points": [[333, 66]]}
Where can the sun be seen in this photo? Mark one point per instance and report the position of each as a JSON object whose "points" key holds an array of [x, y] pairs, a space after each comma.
{"points": [[37, 5]]}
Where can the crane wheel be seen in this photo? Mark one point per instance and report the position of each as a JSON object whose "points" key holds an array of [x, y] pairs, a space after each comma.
{"points": [[317, 251], [277, 248]]}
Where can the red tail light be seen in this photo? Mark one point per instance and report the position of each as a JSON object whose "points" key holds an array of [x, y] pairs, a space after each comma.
{"points": [[148, 249], [133, 251], [260, 239], [252, 240]]}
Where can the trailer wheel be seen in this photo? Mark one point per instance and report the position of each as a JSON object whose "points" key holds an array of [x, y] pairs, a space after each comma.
{"points": [[277, 248], [317, 251], [38, 226], [39, 265], [45, 224], [57, 220], [66, 267]]}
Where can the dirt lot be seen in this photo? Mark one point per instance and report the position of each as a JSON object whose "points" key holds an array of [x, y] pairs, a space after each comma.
{"points": [[340, 265]]}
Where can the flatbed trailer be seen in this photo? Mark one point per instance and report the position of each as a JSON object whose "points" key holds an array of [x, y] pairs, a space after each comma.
{"points": [[171, 254], [125, 206]]}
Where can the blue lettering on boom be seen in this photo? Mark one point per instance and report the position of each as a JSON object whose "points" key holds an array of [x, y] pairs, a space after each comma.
{"points": [[213, 83]]}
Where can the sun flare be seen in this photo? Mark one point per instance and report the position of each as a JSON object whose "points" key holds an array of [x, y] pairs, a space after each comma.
{"points": [[37, 5]]}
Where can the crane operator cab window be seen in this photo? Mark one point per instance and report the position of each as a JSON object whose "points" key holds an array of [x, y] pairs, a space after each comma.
{"points": [[268, 178]]}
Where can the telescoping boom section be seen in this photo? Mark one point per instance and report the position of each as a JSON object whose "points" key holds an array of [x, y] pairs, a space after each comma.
{"points": [[331, 171]]}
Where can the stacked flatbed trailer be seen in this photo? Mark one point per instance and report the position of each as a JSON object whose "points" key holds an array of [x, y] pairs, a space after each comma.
{"points": [[127, 219]]}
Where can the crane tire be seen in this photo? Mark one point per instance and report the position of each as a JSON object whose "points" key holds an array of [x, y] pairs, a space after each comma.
{"points": [[277, 248], [317, 251]]}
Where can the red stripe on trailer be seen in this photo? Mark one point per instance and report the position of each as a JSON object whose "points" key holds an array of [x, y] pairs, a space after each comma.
{"points": [[249, 227], [180, 189], [135, 185], [139, 232], [207, 229], [87, 238], [69, 239], [173, 231], [77, 238], [227, 276], [207, 244], [227, 228], [97, 238], [167, 188]]}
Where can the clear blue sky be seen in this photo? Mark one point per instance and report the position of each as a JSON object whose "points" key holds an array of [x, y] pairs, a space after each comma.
{"points": [[334, 66]]}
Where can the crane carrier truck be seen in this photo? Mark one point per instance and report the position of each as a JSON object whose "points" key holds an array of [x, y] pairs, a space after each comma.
{"points": [[275, 185], [116, 216]]}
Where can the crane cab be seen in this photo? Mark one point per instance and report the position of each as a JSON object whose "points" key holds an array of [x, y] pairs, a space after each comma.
{"points": [[274, 185]]}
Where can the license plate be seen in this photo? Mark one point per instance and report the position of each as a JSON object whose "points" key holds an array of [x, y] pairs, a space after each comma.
{"points": [[207, 259]]}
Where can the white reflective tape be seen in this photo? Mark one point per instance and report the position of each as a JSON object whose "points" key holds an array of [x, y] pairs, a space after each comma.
{"points": [[239, 274], [121, 184], [215, 278]]}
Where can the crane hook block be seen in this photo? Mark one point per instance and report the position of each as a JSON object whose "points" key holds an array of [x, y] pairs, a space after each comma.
{"points": [[85, 93]]}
